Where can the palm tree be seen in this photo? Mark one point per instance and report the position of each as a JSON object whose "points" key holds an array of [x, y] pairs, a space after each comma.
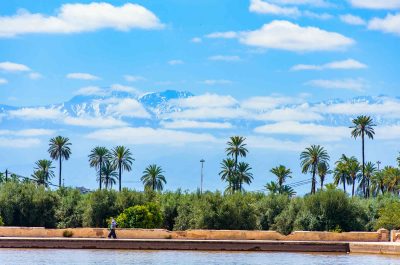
{"points": [[286, 189], [228, 171], [272, 187], [323, 170], [43, 172], [378, 182], [363, 125], [97, 158], [236, 147], [392, 179], [109, 174], [369, 171], [341, 174], [243, 175], [310, 158], [282, 173], [122, 160], [59, 148], [353, 169], [153, 178]]}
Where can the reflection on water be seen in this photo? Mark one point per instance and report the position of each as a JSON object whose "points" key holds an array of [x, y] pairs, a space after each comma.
{"points": [[92, 257]]}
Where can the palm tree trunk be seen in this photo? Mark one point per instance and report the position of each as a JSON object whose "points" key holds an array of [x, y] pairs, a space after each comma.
{"points": [[354, 184], [120, 174], [101, 162], [322, 183], [363, 163], [59, 181], [344, 185], [313, 181]]}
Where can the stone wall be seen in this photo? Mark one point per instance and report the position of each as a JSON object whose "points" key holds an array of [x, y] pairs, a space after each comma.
{"points": [[381, 235]]}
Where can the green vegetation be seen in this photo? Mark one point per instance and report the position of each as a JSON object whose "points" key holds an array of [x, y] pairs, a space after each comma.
{"points": [[140, 216], [68, 233], [1, 221]]}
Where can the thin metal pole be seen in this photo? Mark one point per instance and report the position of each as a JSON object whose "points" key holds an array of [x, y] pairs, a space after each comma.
{"points": [[379, 163], [201, 181]]}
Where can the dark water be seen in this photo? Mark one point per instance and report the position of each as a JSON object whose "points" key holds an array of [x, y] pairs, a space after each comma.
{"points": [[92, 257]]}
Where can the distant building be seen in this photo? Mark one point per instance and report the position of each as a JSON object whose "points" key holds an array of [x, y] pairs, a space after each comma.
{"points": [[83, 190]]}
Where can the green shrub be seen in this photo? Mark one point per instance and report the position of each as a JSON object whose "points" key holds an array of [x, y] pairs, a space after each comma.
{"points": [[140, 216], [70, 209], [99, 206], [269, 207], [389, 216], [1, 221], [284, 222], [67, 233]]}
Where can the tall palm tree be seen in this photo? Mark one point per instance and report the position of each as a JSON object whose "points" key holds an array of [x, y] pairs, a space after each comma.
{"points": [[236, 147], [340, 173], [282, 173], [97, 158], [363, 125], [227, 172], [378, 183], [323, 170], [310, 158], [369, 171], [109, 174], [59, 148], [43, 172], [353, 169], [243, 175], [122, 160], [153, 178]]}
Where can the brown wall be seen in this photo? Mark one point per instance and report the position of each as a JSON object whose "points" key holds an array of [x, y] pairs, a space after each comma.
{"points": [[381, 235]]}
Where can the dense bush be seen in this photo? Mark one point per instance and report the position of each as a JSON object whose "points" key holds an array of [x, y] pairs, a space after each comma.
{"points": [[1, 221], [140, 216], [26, 204]]}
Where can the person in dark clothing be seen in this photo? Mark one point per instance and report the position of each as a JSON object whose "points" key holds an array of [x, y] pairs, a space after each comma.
{"points": [[113, 226]]}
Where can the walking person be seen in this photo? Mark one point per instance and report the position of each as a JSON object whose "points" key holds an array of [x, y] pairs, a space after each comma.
{"points": [[113, 226]]}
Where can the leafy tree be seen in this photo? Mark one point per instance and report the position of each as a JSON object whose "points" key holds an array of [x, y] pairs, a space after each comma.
{"points": [[363, 125], [389, 216], [43, 172], [141, 216], [59, 148], [310, 158], [153, 178], [70, 209], [97, 158], [122, 159], [99, 207]]}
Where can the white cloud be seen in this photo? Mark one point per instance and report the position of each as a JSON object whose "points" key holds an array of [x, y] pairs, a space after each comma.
{"points": [[388, 132], [128, 107], [196, 40], [3, 81], [205, 100], [352, 20], [34, 76], [39, 113], [205, 113], [122, 88], [343, 65], [320, 132], [133, 78], [13, 67], [223, 35], [265, 103], [275, 144], [212, 82], [316, 3], [226, 58], [376, 4], [262, 7], [91, 90], [349, 84], [175, 62], [82, 76], [96, 122], [389, 24], [146, 135], [285, 35], [75, 18], [189, 124], [300, 113], [322, 16], [10, 142], [28, 132]]}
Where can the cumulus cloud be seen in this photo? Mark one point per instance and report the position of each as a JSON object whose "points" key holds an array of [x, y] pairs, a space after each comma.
{"points": [[285, 35], [352, 20], [189, 124], [127, 107], [76, 18], [146, 135], [347, 84], [3, 81], [266, 103], [206, 100], [348, 64], [275, 144], [28, 132], [134, 78], [262, 7], [226, 58], [300, 113], [316, 131], [82, 76], [39, 113], [223, 35], [91, 90], [95, 122], [122, 88], [13, 67], [11, 142], [376, 4], [175, 62], [389, 24]]}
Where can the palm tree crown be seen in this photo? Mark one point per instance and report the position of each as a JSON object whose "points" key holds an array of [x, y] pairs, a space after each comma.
{"points": [[97, 158], [109, 174], [282, 173], [122, 160], [236, 147], [43, 172], [310, 158], [59, 148], [153, 178]]}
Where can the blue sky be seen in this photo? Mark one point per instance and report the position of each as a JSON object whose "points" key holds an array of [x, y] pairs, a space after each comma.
{"points": [[269, 56]]}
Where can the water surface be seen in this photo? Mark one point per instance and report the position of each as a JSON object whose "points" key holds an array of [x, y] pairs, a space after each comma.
{"points": [[125, 257]]}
